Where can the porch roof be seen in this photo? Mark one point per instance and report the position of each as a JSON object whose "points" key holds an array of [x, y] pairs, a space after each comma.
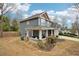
{"points": [[39, 28]]}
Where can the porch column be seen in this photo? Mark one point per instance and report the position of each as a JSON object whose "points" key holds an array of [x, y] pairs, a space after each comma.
{"points": [[51, 32], [40, 34], [46, 33], [32, 32], [56, 32], [27, 33]]}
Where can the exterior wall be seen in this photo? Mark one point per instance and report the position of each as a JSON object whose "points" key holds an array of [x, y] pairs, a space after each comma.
{"points": [[43, 22], [33, 22], [22, 29], [30, 33], [27, 24]]}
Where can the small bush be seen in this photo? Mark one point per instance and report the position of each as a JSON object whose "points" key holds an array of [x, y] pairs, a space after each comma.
{"points": [[51, 40], [40, 44], [60, 33], [22, 38], [48, 44], [27, 39]]}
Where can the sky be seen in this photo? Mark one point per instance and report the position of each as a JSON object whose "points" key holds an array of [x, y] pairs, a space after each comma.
{"points": [[31, 8], [59, 10], [49, 6]]}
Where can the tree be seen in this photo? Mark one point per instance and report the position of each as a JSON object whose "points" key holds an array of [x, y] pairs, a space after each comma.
{"points": [[64, 20], [1, 8], [9, 8], [74, 28], [4, 8], [6, 23], [77, 17], [14, 25]]}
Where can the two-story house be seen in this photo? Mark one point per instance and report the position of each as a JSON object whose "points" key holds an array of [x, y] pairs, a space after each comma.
{"points": [[38, 26]]}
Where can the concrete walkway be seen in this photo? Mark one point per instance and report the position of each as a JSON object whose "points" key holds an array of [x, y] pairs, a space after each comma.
{"points": [[68, 38]]}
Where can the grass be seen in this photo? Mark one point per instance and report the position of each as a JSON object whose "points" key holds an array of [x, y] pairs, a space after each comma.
{"points": [[13, 46]]}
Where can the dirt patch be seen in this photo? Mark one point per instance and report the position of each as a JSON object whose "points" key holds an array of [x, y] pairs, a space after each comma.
{"points": [[13, 46]]}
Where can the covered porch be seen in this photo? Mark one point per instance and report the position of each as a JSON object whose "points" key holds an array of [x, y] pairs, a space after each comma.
{"points": [[40, 33]]}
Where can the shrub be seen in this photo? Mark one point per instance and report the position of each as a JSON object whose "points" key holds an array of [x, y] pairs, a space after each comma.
{"points": [[40, 44], [48, 44], [27, 39], [60, 33], [22, 38], [51, 40], [68, 34]]}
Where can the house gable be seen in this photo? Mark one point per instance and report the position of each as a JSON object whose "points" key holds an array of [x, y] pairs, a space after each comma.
{"points": [[45, 16], [41, 15]]}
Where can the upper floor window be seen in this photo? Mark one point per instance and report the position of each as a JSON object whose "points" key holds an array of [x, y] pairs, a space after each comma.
{"points": [[43, 22], [27, 22], [48, 23]]}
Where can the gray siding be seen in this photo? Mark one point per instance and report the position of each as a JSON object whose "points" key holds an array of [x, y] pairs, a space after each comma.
{"points": [[34, 22], [24, 25], [22, 28], [43, 22], [31, 23]]}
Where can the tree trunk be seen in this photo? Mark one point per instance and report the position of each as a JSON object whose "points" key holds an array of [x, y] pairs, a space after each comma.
{"points": [[1, 20], [1, 33], [78, 31], [1, 30]]}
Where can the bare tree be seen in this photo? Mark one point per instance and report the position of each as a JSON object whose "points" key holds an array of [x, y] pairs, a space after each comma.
{"points": [[4, 8], [77, 17], [74, 28], [64, 20]]}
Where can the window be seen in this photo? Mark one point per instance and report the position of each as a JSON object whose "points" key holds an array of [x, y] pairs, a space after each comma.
{"points": [[27, 22], [48, 23], [43, 22]]}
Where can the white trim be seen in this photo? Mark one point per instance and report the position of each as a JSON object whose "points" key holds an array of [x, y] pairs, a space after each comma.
{"points": [[32, 32], [39, 21], [42, 28], [27, 33], [51, 32], [46, 33], [40, 34]]}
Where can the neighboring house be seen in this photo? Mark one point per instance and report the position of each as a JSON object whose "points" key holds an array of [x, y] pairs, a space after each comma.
{"points": [[38, 26]]}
